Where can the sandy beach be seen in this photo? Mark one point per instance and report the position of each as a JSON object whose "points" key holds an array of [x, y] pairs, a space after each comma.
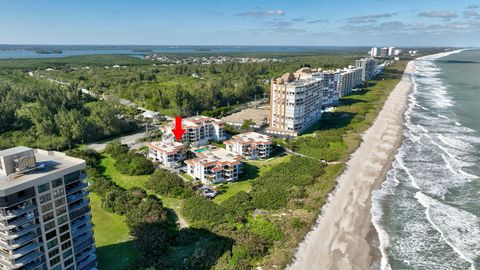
{"points": [[340, 238]]}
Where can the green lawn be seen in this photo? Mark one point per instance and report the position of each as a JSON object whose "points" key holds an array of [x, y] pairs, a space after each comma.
{"points": [[114, 246], [107, 168]]}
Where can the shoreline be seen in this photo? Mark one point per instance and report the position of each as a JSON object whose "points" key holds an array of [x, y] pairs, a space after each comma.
{"points": [[343, 236]]}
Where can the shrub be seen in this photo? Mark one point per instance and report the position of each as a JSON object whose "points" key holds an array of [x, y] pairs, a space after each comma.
{"points": [[202, 211], [132, 163], [169, 184], [115, 148], [265, 229], [237, 207]]}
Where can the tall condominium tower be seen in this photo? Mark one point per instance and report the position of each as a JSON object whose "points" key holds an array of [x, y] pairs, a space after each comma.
{"points": [[45, 220], [295, 104], [369, 65]]}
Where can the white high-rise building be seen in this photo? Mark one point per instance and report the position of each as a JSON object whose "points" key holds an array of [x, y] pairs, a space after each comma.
{"points": [[368, 65], [45, 220], [295, 103], [391, 51], [374, 52]]}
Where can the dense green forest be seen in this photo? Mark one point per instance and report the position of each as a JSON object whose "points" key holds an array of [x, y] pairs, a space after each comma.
{"points": [[41, 114], [188, 89]]}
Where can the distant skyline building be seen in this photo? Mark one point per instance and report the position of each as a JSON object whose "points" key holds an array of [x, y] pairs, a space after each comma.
{"points": [[45, 220], [374, 52]]}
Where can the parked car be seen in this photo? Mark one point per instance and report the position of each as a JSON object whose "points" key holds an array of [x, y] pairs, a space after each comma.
{"points": [[208, 192]]}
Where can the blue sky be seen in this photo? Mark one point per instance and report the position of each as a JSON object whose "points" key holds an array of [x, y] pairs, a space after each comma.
{"points": [[242, 22]]}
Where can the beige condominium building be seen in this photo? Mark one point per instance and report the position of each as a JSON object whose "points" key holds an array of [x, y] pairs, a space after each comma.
{"points": [[45, 220], [198, 130], [295, 104], [214, 165], [169, 153], [250, 145]]}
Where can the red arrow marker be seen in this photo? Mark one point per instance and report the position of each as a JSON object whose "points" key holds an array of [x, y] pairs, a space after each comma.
{"points": [[178, 130]]}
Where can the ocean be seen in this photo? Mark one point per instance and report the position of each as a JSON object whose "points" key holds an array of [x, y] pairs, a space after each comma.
{"points": [[427, 212]]}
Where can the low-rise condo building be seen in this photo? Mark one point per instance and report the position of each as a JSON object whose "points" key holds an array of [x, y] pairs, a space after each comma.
{"points": [[169, 153], [250, 145], [198, 130], [295, 104], [214, 165], [45, 220]]}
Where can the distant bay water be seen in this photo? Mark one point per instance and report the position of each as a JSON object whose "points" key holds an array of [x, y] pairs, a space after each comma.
{"points": [[32, 51], [427, 212]]}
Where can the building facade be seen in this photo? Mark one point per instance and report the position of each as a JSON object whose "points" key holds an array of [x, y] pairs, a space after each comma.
{"points": [[250, 145], [350, 78], [198, 130], [295, 104], [168, 153], [368, 65], [214, 165], [45, 220]]}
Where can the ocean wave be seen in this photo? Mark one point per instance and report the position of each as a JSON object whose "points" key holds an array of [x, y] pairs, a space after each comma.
{"points": [[459, 228], [425, 119]]}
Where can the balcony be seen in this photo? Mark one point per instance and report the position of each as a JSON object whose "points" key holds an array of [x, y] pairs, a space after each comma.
{"points": [[83, 245], [77, 205], [82, 255], [75, 214], [26, 259], [77, 196], [76, 187], [86, 261], [23, 240], [20, 221], [17, 211], [80, 221], [19, 232], [25, 250], [82, 229], [34, 264], [87, 235]]}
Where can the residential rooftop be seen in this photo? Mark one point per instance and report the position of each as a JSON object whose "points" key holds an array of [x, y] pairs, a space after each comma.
{"points": [[169, 147], [251, 137], [215, 155], [47, 164]]}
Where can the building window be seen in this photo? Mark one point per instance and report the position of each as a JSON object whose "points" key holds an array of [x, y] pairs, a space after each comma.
{"points": [[68, 262], [57, 183], [45, 198], [62, 219], [47, 207], [54, 260], [43, 188], [48, 217], [59, 202], [66, 245], [57, 267], [52, 243], [49, 225], [64, 237], [59, 192], [53, 252], [63, 228], [61, 210], [50, 235]]}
